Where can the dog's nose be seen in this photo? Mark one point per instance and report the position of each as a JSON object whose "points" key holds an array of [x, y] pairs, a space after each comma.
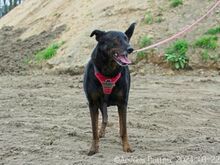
{"points": [[130, 50]]}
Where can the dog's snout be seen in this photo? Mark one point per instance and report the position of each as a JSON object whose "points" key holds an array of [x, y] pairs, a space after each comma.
{"points": [[130, 49]]}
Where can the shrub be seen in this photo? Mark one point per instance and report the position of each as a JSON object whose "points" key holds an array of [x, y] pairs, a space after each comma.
{"points": [[48, 52], [145, 41], [175, 3], [205, 56], [141, 56], [207, 42], [148, 18], [159, 19], [213, 31], [176, 54]]}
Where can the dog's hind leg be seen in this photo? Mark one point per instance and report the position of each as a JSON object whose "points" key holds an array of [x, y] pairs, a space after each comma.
{"points": [[94, 113], [104, 120], [122, 111]]}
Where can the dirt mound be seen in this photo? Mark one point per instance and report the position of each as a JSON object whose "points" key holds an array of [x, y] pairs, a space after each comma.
{"points": [[82, 17], [15, 52]]}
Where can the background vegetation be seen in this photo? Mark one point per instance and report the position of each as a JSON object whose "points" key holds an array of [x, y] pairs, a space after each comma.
{"points": [[7, 5]]}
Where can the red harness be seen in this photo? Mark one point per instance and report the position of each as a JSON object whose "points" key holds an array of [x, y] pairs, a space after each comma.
{"points": [[107, 83]]}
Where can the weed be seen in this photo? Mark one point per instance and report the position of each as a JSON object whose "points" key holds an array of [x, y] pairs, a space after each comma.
{"points": [[145, 41], [205, 56], [48, 52], [176, 54], [215, 58], [159, 19], [207, 42], [141, 56], [148, 18], [213, 31], [175, 3], [27, 61]]}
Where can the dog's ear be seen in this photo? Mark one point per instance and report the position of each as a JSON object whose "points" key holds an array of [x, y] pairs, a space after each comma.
{"points": [[130, 30], [98, 34]]}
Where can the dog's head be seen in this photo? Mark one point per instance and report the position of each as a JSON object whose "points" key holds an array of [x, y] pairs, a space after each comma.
{"points": [[115, 45]]}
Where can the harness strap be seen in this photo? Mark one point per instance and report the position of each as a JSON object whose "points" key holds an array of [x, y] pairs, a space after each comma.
{"points": [[107, 83]]}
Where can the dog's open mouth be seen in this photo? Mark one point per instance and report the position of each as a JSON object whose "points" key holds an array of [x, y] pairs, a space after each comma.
{"points": [[122, 59]]}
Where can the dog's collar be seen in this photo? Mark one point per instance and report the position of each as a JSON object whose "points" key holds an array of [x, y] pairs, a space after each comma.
{"points": [[107, 83]]}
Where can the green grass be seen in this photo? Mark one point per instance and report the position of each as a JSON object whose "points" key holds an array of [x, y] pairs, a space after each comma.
{"points": [[148, 18], [159, 19], [145, 41], [214, 58], [205, 56], [175, 3], [213, 31], [207, 42], [48, 52], [176, 54], [141, 56]]}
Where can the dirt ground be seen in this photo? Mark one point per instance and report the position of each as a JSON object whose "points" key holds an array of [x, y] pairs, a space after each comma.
{"points": [[15, 53], [171, 120], [82, 17], [173, 117]]}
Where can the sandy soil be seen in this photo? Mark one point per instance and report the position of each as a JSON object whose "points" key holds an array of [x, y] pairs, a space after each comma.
{"points": [[171, 119], [82, 17], [16, 54]]}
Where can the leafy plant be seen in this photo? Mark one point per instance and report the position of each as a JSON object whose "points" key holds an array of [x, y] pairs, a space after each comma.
{"points": [[215, 58], [145, 41], [159, 19], [207, 42], [205, 55], [176, 54], [213, 31], [48, 52], [141, 56], [148, 18], [175, 3]]}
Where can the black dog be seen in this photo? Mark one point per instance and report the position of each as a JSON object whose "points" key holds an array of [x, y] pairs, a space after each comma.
{"points": [[107, 81]]}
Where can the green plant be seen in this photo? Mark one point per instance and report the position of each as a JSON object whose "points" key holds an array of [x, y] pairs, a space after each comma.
{"points": [[159, 19], [141, 56], [205, 55], [215, 58], [176, 54], [148, 18], [213, 31], [207, 42], [26, 61], [144, 41], [175, 3], [48, 52]]}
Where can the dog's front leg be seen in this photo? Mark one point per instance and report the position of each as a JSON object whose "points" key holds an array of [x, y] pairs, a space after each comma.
{"points": [[94, 113], [104, 120], [122, 111]]}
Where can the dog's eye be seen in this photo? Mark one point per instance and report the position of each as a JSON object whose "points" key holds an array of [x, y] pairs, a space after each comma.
{"points": [[111, 44]]}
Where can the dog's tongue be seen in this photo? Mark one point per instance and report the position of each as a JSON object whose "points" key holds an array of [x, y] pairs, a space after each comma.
{"points": [[124, 59]]}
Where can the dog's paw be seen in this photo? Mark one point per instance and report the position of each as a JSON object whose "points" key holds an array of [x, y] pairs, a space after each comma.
{"points": [[101, 134], [127, 148], [92, 152]]}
